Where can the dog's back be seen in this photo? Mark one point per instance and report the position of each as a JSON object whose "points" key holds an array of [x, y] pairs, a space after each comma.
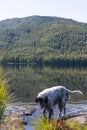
{"points": [[56, 90]]}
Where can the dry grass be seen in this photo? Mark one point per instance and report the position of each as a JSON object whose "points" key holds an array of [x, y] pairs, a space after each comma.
{"points": [[45, 124]]}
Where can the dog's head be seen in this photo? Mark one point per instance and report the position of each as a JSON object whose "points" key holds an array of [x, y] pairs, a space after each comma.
{"points": [[42, 101]]}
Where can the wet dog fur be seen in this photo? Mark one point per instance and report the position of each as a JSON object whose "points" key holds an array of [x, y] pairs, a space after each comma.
{"points": [[57, 95]]}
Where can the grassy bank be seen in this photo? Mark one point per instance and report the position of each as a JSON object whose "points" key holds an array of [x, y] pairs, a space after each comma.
{"points": [[45, 124]]}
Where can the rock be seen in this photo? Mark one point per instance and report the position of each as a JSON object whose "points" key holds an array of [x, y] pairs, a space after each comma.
{"points": [[24, 122], [24, 112], [29, 112]]}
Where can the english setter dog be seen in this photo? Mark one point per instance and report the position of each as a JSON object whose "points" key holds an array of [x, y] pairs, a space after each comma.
{"points": [[56, 95]]}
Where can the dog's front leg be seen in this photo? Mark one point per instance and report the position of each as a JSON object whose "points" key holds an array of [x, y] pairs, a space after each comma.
{"points": [[44, 111], [50, 113]]}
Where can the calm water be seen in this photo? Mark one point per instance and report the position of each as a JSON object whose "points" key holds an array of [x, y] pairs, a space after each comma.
{"points": [[27, 81]]}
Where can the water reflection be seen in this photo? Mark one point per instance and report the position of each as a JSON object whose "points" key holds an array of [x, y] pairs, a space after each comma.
{"points": [[27, 81]]}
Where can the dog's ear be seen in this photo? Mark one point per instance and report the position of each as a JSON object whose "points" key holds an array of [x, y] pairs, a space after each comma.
{"points": [[37, 99], [46, 99]]}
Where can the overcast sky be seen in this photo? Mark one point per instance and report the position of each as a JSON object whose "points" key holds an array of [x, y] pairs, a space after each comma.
{"points": [[74, 9]]}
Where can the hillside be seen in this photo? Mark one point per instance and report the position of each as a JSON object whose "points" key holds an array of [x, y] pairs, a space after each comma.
{"points": [[42, 39]]}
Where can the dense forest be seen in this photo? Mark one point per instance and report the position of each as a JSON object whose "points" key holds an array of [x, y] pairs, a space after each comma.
{"points": [[43, 40]]}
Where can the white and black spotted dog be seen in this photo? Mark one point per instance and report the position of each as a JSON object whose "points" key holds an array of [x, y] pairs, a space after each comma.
{"points": [[50, 97]]}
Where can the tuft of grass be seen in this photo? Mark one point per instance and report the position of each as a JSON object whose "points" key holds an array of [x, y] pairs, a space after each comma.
{"points": [[46, 124], [8, 123], [5, 96]]}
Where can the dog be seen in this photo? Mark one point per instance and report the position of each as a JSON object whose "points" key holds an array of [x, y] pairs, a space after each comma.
{"points": [[57, 95]]}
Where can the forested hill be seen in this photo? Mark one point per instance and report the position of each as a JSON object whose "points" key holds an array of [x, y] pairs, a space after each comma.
{"points": [[40, 39]]}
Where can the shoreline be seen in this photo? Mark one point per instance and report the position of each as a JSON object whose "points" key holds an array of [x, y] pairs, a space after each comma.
{"points": [[29, 112]]}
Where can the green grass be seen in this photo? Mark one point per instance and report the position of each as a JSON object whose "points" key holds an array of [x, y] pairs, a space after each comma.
{"points": [[45, 124], [5, 96]]}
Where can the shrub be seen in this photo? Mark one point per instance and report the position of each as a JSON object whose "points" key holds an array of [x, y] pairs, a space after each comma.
{"points": [[5, 96]]}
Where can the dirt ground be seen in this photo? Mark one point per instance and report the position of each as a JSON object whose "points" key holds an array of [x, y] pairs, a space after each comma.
{"points": [[80, 117]]}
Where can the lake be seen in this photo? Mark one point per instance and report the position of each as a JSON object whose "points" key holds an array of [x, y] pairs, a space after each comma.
{"points": [[26, 81]]}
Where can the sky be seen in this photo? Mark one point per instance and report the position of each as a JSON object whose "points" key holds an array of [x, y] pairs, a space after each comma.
{"points": [[71, 9]]}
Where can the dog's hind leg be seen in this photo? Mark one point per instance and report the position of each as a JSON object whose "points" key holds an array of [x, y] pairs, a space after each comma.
{"points": [[64, 104], [64, 110], [62, 107]]}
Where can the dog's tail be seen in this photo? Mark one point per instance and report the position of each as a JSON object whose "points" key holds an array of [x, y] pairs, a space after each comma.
{"points": [[75, 92]]}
